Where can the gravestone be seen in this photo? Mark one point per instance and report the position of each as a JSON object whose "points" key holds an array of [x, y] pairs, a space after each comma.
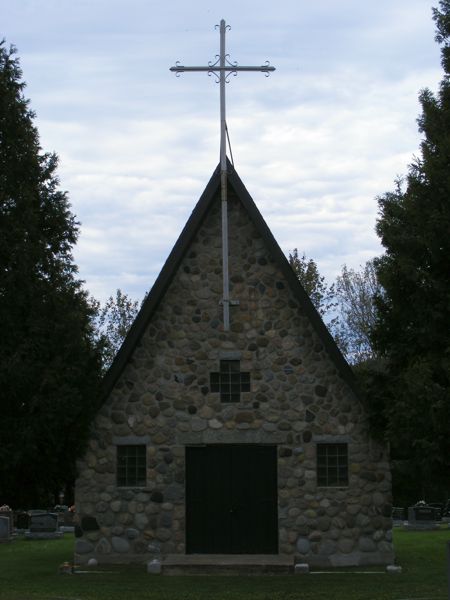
{"points": [[422, 516], [9, 515], [43, 526], [66, 522], [5, 534], [68, 519], [398, 514], [22, 521]]}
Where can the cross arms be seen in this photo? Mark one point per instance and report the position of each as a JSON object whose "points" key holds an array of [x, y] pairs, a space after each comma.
{"points": [[266, 68]]}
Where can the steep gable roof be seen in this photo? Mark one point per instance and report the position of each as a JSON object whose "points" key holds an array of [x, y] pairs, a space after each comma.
{"points": [[168, 271]]}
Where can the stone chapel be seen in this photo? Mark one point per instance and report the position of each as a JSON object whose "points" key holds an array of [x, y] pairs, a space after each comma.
{"points": [[251, 441]]}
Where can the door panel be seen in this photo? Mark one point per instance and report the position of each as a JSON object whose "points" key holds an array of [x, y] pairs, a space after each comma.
{"points": [[231, 494]]}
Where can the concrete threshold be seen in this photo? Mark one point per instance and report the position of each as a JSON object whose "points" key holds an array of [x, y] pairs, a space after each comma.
{"points": [[227, 564]]}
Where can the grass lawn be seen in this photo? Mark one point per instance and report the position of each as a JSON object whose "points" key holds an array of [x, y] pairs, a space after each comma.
{"points": [[29, 571]]}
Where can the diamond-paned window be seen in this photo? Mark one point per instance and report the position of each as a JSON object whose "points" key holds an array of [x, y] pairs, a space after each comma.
{"points": [[230, 381], [332, 465]]}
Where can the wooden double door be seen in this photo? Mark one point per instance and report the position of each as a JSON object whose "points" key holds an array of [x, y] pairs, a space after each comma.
{"points": [[231, 499]]}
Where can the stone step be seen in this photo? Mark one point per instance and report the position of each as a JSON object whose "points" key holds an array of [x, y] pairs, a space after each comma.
{"points": [[227, 564]]}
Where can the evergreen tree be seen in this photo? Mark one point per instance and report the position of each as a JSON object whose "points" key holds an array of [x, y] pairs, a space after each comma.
{"points": [[49, 360], [412, 334]]}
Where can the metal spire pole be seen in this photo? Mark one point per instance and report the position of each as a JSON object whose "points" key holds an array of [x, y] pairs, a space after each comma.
{"points": [[222, 69], [223, 183]]}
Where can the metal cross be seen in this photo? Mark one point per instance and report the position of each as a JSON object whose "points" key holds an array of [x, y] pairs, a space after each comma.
{"points": [[222, 69]]}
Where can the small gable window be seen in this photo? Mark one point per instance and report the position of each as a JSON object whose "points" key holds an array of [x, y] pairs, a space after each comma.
{"points": [[332, 465], [132, 465], [229, 382]]}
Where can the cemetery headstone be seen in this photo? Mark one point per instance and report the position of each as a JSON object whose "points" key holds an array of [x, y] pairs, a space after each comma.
{"points": [[7, 513], [422, 516], [22, 521], [398, 514], [66, 522], [5, 534], [43, 526]]}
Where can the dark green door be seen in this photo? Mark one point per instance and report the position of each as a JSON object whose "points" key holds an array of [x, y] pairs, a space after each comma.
{"points": [[231, 500]]}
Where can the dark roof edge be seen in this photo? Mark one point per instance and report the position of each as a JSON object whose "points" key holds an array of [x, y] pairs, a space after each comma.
{"points": [[167, 272], [160, 286]]}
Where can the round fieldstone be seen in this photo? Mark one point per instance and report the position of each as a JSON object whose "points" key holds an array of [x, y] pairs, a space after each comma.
{"points": [[362, 520], [244, 417], [103, 547], [141, 520], [327, 547], [140, 547], [324, 523], [168, 457], [378, 535], [367, 545], [283, 452], [83, 547], [269, 426], [154, 567], [368, 475], [154, 548], [309, 418], [118, 417], [120, 545], [303, 545], [89, 523], [307, 436], [350, 521], [320, 390], [101, 506], [198, 424], [315, 536], [284, 426], [163, 534], [174, 492], [166, 520], [378, 498], [92, 536], [346, 545], [384, 546], [132, 533]]}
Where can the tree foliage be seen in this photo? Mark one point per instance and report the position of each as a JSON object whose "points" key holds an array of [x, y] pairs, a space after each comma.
{"points": [[320, 293], [355, 294], [412, 333], [114, 321], [49, 361]]}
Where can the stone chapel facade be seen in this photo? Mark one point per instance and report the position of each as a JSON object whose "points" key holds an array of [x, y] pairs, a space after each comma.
{"points": [[251, 441]]}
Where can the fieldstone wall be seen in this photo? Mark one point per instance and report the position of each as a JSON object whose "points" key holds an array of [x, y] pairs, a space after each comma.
{"points": [[297, 399]]}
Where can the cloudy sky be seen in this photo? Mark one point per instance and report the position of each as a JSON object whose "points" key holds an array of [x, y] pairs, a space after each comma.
{"points": [[315, 143]]}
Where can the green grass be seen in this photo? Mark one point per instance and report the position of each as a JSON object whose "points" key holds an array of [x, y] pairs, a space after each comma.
{"points": [[29, 571]]}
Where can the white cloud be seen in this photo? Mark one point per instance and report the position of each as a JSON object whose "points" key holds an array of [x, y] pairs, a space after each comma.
{"points": [[314, 144]]}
